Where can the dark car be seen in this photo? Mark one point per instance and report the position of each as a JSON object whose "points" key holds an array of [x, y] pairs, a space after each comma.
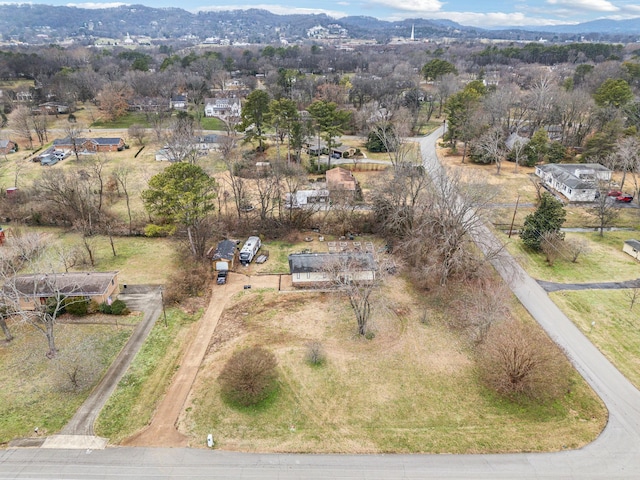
{"points": [[222, 277], [625, 197]]}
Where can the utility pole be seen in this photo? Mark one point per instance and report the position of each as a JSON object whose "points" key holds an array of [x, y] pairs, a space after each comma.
{"points": [[515, 210]]}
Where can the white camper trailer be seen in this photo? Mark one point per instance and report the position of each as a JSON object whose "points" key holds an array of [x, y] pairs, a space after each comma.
{"points": [[249, 250]]}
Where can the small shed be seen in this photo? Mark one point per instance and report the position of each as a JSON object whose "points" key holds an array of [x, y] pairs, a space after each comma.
{"points": [[632, 247], [225, 253]]}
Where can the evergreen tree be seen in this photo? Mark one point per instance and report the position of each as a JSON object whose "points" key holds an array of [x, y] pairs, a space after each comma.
{"points": [[548, 217]]}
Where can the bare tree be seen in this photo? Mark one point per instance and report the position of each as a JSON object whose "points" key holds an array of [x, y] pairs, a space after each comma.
{"points": [[451, 217], [21, 123], [121, 174], [5, 313], [40, 122], [74, 132], [632, 294], [137, 132], [231, 158], [24, 292], [518, 359], [605, 209], [576, 247], [552, 245], [491, 144], [480, 304], [357, 276]]}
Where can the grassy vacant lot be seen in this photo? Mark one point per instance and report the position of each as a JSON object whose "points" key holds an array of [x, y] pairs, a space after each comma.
{"points": [[132, 404], [36, 391], [413, 388], [617, 329], [140, 260], [605, 262]]}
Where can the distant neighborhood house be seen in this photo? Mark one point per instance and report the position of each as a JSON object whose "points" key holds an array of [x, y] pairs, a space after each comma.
{"points": [[8, 146], [51, 108], [178, 102], [315, 269], [224, 107], [90, 145], [341, 179], [32, 290], [306, 198], [578, 182]]}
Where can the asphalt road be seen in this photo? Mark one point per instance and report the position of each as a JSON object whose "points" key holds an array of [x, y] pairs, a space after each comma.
{"points": [[614, 455]]}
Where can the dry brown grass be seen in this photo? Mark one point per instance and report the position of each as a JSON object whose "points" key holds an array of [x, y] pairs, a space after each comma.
{"points": [[413, 388]]}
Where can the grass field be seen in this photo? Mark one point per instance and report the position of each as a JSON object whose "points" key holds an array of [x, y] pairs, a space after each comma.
{"points": [[605, 262], [616, 327], [133, 402], [36, 391], [413, 388]]}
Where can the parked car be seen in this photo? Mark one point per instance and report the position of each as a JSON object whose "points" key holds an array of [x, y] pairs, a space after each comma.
{"points": [[222, 277], [625, 197], [614, 193]]}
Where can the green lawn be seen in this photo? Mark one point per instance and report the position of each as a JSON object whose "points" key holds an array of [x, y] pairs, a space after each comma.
{"points": [[36, 391], [606, 262], [133, 402], [616, 329], [125, 121], [212, 123]]}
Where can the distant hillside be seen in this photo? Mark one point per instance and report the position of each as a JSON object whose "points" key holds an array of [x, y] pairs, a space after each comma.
{"points": [[626, 27], [48, 24]]}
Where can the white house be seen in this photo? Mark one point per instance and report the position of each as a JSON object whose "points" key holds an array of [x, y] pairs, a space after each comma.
{"points": [[578, 182], [632, 247], [314, 269], [306, 198], [226, 107]]}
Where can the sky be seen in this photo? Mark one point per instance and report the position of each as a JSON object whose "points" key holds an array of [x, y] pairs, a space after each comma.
{"points": [[480, 13]]}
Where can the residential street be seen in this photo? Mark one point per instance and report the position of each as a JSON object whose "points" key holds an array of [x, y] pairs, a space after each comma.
{"points": [[614, 455]]}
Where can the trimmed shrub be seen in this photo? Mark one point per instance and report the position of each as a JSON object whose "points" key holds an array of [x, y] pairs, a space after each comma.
{"points": [[104, 308], [76, 306], [249, 376], [118, 307]]}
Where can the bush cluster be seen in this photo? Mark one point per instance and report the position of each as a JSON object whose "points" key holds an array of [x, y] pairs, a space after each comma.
{"points": [[117, 307], [249, 376]]}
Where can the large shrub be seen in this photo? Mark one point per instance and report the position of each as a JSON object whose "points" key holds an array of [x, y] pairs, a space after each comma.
{"points": [[76, 306], [519, 360], [249, 376]]}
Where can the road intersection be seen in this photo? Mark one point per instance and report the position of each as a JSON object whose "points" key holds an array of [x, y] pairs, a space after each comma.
{"points": [[615, 454]]}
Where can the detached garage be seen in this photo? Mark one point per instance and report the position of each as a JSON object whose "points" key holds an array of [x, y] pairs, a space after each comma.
{"points": [[632, 247]]}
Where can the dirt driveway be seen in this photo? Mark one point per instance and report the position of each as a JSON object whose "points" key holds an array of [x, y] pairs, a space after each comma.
{"points": [[162, 432]]}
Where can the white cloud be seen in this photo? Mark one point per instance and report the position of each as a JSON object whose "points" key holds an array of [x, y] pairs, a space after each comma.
{"points": [[412, 5], [277, 9], [487, 20], [591, 5]]}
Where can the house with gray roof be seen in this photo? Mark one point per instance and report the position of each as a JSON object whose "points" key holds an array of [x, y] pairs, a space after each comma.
{"points": [[315, 269], [31, 290], [578, 182]]}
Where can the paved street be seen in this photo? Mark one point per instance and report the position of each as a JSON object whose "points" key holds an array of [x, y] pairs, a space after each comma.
{"points": [[614, 455]]}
